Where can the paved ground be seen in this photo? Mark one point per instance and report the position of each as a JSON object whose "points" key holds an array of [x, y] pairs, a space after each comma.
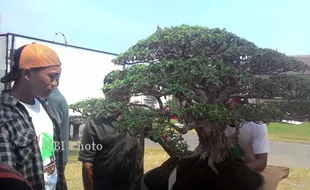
{"points": [[281, 153]]}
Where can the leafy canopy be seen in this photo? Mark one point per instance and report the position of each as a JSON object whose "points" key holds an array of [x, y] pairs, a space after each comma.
{"points": [[201, 68]]}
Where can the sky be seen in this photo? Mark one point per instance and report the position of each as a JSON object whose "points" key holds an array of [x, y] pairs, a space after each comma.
{"points": [[114, 26]]}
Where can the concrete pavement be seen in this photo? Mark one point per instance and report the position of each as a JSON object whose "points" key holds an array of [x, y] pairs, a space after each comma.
{"points": [[281, 153]]}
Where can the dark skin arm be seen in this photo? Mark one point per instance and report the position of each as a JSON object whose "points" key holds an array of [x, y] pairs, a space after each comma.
{"points": [[260, 162], [87, 173]]}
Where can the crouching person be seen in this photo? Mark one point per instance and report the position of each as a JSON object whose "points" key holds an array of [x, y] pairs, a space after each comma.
{"points": [[253, 146]]}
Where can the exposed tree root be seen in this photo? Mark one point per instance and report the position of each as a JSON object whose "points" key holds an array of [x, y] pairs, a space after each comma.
{"points": [[213, 144]]}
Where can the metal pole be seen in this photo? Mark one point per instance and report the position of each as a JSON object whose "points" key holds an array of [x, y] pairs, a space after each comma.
{"points": [[0, 24], [62, 35], [12, 51], [73, 46], [7, 60]]}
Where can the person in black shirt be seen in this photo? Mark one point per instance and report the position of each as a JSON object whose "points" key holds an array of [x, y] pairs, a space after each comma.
{"points": [[111, 160]]}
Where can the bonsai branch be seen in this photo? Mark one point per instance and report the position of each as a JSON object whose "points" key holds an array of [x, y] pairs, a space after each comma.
{"points": [[178, 129], [224, 95], [188, 127], [161, 105], [199, 95], [168, 145]]}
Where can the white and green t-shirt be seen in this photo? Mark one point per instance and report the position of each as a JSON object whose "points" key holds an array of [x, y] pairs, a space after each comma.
{"points": [[44, 130]]}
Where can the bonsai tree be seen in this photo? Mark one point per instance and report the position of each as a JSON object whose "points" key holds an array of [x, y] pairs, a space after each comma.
{"points": [[201, 69]]}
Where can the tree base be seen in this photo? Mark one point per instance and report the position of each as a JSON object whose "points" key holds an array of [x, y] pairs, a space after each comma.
{"points": [[193, 174]]}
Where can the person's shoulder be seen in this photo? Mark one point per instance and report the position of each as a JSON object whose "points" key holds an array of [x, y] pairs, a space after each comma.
{"points": [[7, 112], [99, 119], [93, 121], [254, 124], [9, 107], [8, 117], [229, 130], [99, 126], [256, 128]]}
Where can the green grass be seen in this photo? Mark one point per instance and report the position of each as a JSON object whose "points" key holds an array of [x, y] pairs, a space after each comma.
{"points": [[289, 132], [297, 179], [74, 172]]}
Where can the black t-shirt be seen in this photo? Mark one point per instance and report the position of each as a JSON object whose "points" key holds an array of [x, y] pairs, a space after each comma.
{"points": [[117, 157]]}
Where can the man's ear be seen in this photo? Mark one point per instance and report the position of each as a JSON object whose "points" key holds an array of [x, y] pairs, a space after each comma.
{"points": [[26, 74]]}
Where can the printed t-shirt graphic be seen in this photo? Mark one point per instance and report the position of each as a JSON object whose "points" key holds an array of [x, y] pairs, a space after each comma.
{"points": [[44, 130]]}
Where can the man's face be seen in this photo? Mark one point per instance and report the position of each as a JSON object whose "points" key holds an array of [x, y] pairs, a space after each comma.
{"points": [[119, 117], [234, 102], [42, 81]]}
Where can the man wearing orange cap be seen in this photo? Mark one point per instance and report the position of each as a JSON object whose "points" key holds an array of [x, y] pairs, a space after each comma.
{"points": [[29, 131]]}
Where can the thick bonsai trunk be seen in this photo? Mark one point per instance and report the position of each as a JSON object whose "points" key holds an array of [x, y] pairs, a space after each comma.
{"points": [[213, 144]]}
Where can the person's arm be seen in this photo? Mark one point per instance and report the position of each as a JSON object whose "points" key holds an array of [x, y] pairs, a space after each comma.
{"points": [[87, 173], [6, 149], [259, 163], [86, 156], [260, 148]]}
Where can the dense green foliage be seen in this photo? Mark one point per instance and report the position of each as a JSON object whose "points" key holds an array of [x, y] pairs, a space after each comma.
{"points": [[201, 68]]}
